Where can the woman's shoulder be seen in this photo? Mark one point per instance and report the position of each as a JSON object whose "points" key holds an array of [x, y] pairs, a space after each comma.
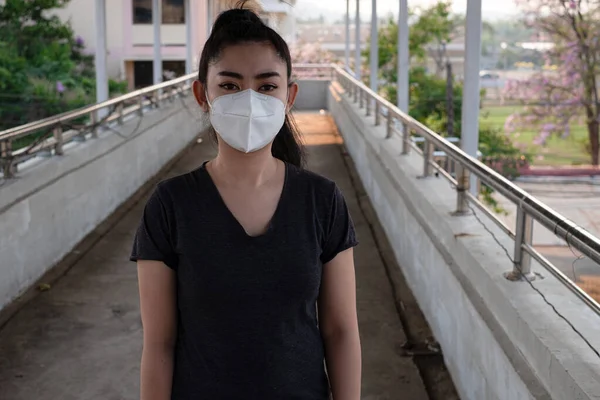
{"points": [[179, 186], [316, 190], [313, 181]]}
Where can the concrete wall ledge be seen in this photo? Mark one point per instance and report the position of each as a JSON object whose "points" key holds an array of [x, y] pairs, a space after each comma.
{"points": [[501, 339], [312, 95], [54, 203]]}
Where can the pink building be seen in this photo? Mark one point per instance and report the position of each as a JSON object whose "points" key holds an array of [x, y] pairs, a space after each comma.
{"points": [[130, 34]]}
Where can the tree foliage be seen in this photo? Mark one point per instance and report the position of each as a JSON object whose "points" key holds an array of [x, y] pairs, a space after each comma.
{"points": [[43, 67], [557, 98], [431, 29], [427, 99]]}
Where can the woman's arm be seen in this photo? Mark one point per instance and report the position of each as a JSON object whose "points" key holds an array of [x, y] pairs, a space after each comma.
{"points": [[339, 326], [159, 320]]}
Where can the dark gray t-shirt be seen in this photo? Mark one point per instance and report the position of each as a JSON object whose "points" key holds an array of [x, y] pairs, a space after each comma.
{"points": [[247, 323]]}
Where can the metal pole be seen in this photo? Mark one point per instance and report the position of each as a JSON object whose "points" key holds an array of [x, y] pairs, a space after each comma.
{"points": [[189, 58], [523, 236], [100, 62], [471, 100], [348, 35], [156, 22], [357, 63], [403, 57], [374, 47], [462, 187], [292, 23], [209, 16]]}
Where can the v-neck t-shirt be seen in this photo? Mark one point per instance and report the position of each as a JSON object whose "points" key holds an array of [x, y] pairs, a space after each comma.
{"points": [[247, 323]]}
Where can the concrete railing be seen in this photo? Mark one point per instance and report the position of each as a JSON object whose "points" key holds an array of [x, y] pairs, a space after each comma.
{"points": [[502, 339]]}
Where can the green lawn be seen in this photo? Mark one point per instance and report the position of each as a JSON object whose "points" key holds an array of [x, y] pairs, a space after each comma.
{"points": [[557, 151]]}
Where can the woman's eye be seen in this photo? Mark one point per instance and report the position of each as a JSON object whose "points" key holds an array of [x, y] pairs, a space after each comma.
{"points": [[228, 86], [267, 88]]}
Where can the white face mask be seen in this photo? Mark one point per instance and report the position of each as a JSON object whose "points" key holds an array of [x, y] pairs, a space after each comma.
{"points": [[247, 121]]}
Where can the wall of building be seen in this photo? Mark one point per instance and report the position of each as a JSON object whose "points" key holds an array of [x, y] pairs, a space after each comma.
{"points": [[501, 339], [129, 42], [82, 17], [139, 38], [57, 202]]}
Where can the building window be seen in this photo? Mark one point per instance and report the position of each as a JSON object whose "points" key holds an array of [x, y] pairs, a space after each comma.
{"points": [[143, 72], [142, 11], [173, 11]]}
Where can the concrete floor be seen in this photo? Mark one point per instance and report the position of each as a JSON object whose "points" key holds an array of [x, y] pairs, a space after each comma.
{"points": [[81, 338]]}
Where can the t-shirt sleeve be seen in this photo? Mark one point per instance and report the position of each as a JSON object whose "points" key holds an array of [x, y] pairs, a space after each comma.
{"points": [[154, 236], [339, 231]]}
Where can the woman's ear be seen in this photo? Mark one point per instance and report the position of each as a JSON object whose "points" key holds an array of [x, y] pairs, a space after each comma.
{"points": [[292, 93], [200, 95]]}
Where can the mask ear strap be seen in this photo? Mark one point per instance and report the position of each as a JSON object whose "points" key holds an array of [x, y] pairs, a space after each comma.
{"points": [[207, 100], [287, 98]]}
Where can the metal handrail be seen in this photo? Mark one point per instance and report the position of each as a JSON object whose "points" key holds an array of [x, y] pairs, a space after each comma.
{"points": [[23, 130], [529, 208], [54, 138]]}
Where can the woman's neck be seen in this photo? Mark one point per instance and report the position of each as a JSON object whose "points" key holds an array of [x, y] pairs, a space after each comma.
{"points": [[251, 169]]}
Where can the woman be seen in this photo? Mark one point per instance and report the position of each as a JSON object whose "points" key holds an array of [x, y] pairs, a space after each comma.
{"points": [[234, 257]]}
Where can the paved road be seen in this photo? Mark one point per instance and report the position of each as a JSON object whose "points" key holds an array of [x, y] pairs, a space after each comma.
{"points": [[81, 339]]}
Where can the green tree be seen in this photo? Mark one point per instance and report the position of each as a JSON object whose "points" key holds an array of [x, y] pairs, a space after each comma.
{"points": [[427, 99], [43, 68]]}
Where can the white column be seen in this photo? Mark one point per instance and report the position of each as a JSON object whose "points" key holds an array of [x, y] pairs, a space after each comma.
{"points": [[209, 16], [357, 63], [347, 35], [403, 57], [100, 61], [374, 47], [470, 102], [189, 48], [156, 22], [293, 21]]}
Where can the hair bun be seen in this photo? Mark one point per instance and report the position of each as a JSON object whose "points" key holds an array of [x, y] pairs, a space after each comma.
{"points": [[242, 13]]}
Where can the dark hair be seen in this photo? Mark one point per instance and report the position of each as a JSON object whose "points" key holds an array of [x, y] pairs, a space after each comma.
{"points": [[241, 25]]}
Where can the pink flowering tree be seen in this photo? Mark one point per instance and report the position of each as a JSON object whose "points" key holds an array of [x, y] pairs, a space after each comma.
{"points": [[556, 99], [310, 53]]}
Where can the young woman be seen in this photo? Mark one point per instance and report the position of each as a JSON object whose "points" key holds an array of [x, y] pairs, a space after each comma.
{"points": [[236, 257]]}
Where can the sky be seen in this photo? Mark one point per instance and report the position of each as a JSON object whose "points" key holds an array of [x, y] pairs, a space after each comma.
{"points": [[334, 9]]}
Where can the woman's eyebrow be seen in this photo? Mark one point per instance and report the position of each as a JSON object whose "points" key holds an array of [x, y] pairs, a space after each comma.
{"points": [[266, 75], [237, 75], [230, 74]]}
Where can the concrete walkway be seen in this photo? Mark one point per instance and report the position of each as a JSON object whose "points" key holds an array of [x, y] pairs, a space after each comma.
{"points": [[81, 338]]}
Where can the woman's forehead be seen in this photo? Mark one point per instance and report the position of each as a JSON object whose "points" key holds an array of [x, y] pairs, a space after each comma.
{"points": [[250, 59]]}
